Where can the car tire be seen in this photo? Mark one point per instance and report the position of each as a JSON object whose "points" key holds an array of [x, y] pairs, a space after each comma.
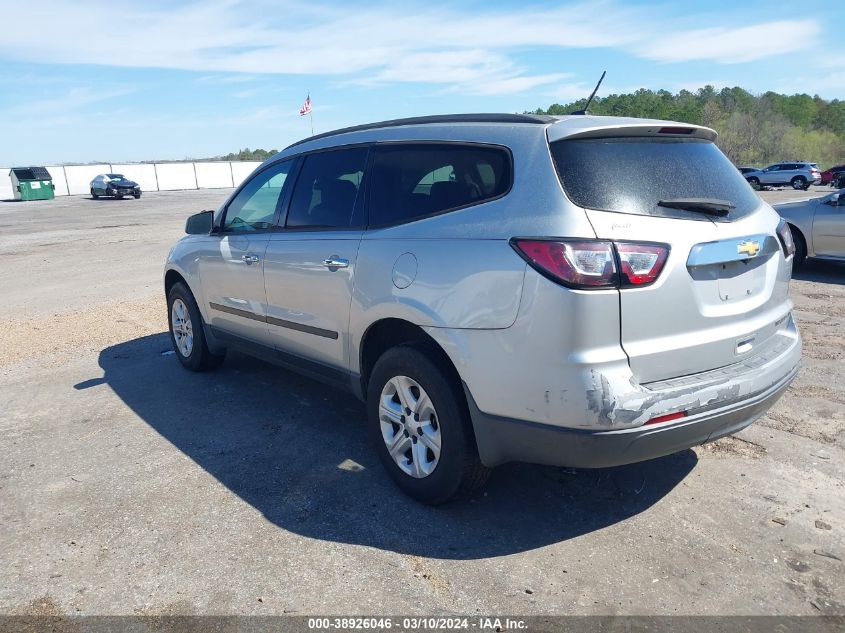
{"points": [[800, 248], [94, 195], [799, 182], [186, 331], [137, 195], [415, 380], [754, 182]]}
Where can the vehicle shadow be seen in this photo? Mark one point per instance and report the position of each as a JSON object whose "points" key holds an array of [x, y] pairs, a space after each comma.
{"points": [[296, 451], [821, 271]]}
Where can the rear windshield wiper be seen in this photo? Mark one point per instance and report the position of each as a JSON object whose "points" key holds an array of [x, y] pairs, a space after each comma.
{"points": [[704, 205]]}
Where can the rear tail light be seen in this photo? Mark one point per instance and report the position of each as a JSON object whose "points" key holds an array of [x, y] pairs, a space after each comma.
{"points": [[592, 264], [785, 237], [640, 264]]}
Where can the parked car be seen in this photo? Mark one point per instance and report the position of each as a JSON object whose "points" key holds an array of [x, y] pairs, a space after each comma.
{"points": [[618, 296], [817, 226], [115, 186], [798, 175], [829, 174]]}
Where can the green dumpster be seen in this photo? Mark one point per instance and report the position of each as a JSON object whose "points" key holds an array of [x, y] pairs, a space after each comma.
{"points": [[32, 183]]}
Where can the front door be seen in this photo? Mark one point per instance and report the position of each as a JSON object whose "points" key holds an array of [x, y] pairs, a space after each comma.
{"points": [[309, 265], [233, 272], [829, 228]]}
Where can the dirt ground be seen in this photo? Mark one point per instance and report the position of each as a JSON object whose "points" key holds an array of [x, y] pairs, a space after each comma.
{"points": [[129, 486]]}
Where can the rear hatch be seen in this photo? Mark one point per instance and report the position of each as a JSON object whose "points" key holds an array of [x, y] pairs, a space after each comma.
{"points": [[721, 297]]}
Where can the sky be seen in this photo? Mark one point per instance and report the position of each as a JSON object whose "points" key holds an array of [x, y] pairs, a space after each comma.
{"points": [[119, 81]]}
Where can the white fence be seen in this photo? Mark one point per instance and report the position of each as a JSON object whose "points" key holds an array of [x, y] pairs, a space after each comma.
{"points": [[71, 180]]}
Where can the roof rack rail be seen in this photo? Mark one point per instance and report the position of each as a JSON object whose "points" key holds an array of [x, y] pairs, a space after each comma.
{"points": [[542, 119]]}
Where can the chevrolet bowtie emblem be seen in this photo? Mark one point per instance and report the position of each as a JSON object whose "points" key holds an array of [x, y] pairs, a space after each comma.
{"points": [[748, 247]]}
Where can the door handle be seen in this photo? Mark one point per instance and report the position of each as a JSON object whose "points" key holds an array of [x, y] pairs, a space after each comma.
{"points": [[249, 259], [336, 262]]}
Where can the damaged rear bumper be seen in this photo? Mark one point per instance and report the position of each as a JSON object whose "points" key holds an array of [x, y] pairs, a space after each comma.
{"points": [[718, 403]]}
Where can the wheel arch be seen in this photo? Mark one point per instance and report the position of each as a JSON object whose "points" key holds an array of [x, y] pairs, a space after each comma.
{"points": [[171, 278], [386, 333], [798, 234]]}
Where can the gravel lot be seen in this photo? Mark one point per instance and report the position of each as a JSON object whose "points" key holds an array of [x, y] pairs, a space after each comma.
{"points": [[130, 486]]}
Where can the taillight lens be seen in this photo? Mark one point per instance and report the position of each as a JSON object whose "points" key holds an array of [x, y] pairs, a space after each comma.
{"points": [[785, 237], [640, 264], [592, 264], [579, 264]]}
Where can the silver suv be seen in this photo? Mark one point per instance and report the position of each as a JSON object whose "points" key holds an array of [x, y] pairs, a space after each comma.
{"points": [[798, 175], [581, 291]]}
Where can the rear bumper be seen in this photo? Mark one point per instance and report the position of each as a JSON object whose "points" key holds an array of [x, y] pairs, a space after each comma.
{"points": [[503, 440]]}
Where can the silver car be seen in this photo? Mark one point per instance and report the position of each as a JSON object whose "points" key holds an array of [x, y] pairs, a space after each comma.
{"points": [[817, 226], [798, 175], [580, 291]]}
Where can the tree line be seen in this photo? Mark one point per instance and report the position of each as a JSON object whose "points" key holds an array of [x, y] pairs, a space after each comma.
{"points": [[753, 129], [247, 154]]}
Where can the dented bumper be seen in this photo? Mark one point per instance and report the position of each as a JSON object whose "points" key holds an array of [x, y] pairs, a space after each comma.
{"points": [[717, 403]]}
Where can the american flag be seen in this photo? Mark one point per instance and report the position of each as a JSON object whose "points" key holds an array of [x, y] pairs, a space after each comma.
{"points": [[306, 107]]}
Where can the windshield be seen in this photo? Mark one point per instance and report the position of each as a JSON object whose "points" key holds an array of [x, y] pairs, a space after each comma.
{"points": [[633, 174], [116, 176]]}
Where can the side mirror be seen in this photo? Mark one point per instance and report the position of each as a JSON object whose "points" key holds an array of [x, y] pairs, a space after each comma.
{"points": [[200, 223]]}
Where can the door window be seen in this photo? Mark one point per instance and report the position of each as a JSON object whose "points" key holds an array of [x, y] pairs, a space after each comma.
{"points": [[414, 181], [255, 205], [326, 195]]}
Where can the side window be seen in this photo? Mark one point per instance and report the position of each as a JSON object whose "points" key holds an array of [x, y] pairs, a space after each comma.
{"points": [[413, 181], [326, 191], [255, 205]]}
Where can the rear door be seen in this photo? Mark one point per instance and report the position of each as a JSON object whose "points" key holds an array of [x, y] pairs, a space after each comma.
{"points": [[723, 291], [310, 263], [233, 272], [829, 228]]}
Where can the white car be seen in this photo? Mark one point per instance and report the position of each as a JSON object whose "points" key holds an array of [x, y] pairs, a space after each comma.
{"points": [[798, 175]]}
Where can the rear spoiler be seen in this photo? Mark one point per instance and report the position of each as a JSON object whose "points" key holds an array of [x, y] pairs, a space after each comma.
{"points": [[595, 127]]}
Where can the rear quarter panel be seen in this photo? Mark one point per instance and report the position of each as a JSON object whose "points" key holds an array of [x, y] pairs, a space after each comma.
{"points": [[800, 215]]}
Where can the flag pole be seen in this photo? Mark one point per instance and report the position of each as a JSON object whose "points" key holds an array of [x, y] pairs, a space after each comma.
{"points": [[310, 113]]}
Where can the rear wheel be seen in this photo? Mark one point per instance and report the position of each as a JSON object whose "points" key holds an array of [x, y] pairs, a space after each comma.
{"points": [[419, 425], [186, 331], [754, 182], [800, 248], [799, 182]]}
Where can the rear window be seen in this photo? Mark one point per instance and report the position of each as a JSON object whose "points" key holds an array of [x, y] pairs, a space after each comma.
{"points": [[631, 175]]}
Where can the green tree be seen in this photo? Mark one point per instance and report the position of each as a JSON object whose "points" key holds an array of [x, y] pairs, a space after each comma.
{"points": [[753, 129]]}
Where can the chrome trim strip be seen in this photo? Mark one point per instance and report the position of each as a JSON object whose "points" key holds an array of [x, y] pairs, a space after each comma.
{"points": [[723, 251]]}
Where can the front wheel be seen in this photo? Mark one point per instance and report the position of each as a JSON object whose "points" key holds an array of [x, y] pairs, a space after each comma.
{"points": [[186, 333], [419, 425], [799, 182], [94, 195], [137, 195]]}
